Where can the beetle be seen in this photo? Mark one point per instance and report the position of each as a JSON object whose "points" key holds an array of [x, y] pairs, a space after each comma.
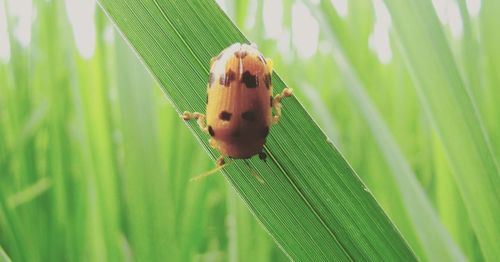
{"points": [[239, 103]]}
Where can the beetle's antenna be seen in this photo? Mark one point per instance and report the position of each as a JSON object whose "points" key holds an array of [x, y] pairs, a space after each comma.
{"points": [[215, 170], [254, 173], [211, 172]]}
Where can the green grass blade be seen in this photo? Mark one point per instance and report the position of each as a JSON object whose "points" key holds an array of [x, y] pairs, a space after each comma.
{"points": [[490, 41], [448, 102], [312, 202], [435, 241], [433, 237]]}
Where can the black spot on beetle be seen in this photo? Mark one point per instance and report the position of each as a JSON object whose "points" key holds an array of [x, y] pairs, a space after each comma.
{"points": [[248, 116], [271, 99], [227, 78], [249, 80], [224, 115], [211, 131], [211, 79], [265, 132], [267, 80]]}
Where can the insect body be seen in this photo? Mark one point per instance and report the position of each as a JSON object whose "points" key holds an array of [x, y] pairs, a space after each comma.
{"points": [[239, 102]]}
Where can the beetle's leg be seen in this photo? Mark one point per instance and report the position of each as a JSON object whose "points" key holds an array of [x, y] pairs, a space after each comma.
{"points": [[213, 143], [220, 161], [199, 117], [277, 103], [254, 173], [262, 156], [220, 164]]}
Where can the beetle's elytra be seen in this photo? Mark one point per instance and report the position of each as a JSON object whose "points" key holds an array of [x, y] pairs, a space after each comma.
{"points": [[239, 102]]}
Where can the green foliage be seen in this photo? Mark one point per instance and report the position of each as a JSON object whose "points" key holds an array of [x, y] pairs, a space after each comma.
{"points": [[431, 236], [297, 194], [453, 111], [95, 163]]}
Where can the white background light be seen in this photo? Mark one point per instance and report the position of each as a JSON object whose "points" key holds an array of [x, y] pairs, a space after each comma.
{"points": [[341, 7], [379, 40], [23, 14], [449, 14], [4, 36], [474, 7], [81, 17], [305, 31]]}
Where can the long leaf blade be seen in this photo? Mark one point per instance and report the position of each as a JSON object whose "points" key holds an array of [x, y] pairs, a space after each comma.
{"points": [[312, 202], [432, 236], [449, 103]]}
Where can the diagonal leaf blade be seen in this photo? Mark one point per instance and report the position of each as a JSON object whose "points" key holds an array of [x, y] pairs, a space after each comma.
{"points": [[450, 105], [312, 202], [432, 236]]}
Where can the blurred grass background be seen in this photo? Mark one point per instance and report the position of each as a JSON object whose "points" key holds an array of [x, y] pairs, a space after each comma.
{"points": [[95, 163]]}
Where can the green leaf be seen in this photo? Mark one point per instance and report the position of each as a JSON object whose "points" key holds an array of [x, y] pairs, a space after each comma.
{"points": [[312, 202], [435, 241], [448, 101]]}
